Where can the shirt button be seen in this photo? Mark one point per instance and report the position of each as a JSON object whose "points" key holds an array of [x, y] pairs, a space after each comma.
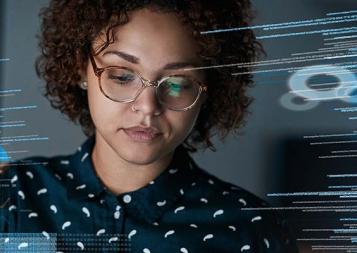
{"points": [[127, 198]]}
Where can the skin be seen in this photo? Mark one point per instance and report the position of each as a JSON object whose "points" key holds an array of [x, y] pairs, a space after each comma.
{"points": [[153, 40]]}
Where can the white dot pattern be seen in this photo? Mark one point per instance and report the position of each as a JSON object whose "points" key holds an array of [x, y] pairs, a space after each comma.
{"points": [[127, 198], [181, 205]]}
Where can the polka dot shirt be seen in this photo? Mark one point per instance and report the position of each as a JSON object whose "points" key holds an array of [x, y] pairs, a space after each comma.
{"points": [[58, 204]]}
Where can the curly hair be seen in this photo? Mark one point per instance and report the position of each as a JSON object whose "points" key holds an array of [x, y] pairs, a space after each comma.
{"points": [[69, 28]]}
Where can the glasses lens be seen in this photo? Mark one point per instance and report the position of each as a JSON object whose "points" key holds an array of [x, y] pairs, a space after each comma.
{"points": [[120, 84], [178, 92]]}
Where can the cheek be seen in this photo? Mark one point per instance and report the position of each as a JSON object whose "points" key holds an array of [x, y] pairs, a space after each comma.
{"points": [[183, 123], [104, 112]]}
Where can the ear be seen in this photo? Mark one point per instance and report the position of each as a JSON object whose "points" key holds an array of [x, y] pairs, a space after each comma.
{"points": [[83, 74], [83, 84]]}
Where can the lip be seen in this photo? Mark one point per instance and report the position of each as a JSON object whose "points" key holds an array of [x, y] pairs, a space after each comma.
{"points": [[142, 134]]}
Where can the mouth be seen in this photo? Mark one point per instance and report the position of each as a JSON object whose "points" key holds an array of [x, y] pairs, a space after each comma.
{"points": [[142, 134]]}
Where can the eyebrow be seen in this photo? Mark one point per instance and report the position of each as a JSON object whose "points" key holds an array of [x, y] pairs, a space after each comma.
{"points": [[135, 60]]}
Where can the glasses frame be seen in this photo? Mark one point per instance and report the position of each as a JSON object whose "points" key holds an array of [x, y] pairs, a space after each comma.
{"points": [[145, 83]]}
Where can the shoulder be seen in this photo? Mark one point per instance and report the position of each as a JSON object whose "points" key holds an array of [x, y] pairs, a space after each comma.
{"points": [[244, 210], [36, 167], [32, 176], [238, 205], [221, 189]]}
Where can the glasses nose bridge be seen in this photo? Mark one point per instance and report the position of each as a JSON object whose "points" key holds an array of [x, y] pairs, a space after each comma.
{"points": [[148, 83]]}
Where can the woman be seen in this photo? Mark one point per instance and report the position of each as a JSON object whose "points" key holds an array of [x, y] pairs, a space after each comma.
{"points": [[141, 78]]}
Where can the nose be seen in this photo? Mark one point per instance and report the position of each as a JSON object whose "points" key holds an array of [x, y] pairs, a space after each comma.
{"points": [[146, 102]]}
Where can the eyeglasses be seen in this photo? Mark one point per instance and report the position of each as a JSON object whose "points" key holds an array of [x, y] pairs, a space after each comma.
{"points": [[123, 85]]}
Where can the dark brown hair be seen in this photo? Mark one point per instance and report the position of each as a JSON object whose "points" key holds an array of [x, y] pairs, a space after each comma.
{"points": [[70, 26]]}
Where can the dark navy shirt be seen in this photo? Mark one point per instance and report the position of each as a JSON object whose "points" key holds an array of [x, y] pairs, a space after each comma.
{"points": [[59, 204]]}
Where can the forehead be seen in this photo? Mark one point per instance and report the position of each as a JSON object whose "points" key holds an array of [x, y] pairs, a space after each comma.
{"points": [[154, 37]]}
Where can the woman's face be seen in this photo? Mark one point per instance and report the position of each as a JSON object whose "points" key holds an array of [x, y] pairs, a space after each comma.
{"points": [[155, 45]]}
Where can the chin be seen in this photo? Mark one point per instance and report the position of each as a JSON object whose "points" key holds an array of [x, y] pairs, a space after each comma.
{"points": [[139, 156]]}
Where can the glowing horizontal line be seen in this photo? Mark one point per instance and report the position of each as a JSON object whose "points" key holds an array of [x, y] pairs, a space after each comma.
{"points": [[325, 193], [342, 175], [342, 37], [344, 151], [18, 136], [322, 89], [341, 186], [327, 98], [27, 163], [323, 201], [12, 125], [341, 13], [340, 42], [336, 156], [25, 139], [8, 91], [332, 142], [343, 56], [321, 239], [18, 107], [295, 207], [292, 24]]}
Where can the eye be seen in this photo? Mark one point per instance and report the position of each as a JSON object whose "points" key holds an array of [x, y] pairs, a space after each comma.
{"points": [[124, 78], [176, 86], [174, 89], [119, 76], [178, 83]]}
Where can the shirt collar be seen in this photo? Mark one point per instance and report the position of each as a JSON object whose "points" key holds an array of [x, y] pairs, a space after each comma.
{"points": [[147, 203]]}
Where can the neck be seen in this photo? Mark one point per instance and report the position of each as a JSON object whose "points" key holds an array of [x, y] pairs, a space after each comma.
{"points": [[119, 175]]}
